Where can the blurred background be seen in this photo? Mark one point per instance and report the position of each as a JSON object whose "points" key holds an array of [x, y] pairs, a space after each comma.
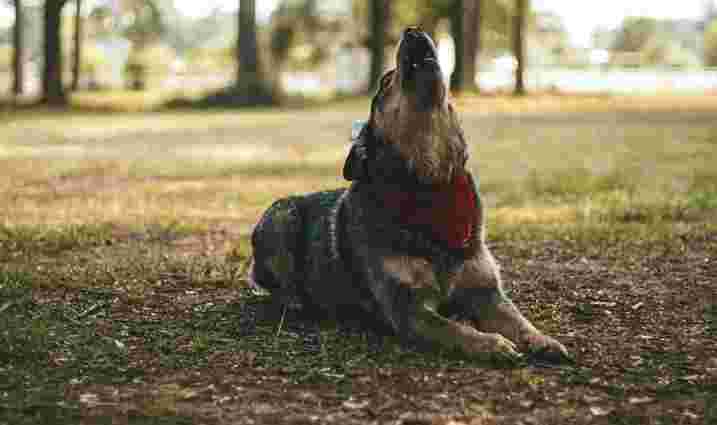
{"points": [[190, 51]]}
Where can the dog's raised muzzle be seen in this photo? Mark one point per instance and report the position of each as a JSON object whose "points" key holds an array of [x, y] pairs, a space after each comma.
{"points": [[419, 69]]}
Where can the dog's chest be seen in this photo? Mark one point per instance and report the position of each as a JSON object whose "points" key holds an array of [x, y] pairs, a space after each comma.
{"points": [[449, 213]]}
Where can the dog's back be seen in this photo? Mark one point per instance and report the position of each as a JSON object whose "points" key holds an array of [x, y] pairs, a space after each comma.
{"points": [[297, 252]]}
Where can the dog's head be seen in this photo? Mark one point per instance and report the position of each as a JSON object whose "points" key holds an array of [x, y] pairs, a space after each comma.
{"points": [[411, 116]]}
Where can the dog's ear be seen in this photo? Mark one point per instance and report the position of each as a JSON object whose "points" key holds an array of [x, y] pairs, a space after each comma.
{"points": [[356, 165]]}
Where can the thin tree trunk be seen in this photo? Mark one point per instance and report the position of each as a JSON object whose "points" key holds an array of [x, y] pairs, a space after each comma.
{"points": [[519, 19], [52, 89], [252, 89], [465, 29], [458, 78], [471, 42], [18, 50], [379, 16], [248, 51], [77, 51]]}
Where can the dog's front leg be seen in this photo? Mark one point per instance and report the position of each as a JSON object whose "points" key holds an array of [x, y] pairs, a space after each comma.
{"points": [[478, 294], [408, 293], [426, 324]]}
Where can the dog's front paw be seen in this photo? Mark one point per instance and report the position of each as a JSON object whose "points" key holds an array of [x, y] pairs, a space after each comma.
{"points": [[492, 346], [547, 348]]}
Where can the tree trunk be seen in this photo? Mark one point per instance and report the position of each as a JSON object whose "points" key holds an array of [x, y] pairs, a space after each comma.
{"points": [[52, 89], [18, 50], [248, 51], [471, 42], [77, 51], [251, 87], [465, 29], [379, 16], [458, 78], [519, 19]]}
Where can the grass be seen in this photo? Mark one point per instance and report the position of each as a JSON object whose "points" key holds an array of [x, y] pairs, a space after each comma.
{"points": [[124, 243], [216, 165]]}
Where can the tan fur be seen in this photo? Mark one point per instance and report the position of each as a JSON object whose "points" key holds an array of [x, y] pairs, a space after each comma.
{"points": [[478, 272], [430, 141], [414, 272]]}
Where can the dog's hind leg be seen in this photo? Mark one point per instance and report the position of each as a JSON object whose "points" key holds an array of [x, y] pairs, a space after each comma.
{"points": [[276, 243]]}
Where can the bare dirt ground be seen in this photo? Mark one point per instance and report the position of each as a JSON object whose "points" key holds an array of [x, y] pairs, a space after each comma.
{"points": [[641, 323]]}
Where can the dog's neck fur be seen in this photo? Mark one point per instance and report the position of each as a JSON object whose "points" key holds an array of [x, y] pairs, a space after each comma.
{"points": [[430, 141]]}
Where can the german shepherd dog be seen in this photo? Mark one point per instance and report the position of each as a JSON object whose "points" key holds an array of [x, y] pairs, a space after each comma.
{"points": [[404, 245]]}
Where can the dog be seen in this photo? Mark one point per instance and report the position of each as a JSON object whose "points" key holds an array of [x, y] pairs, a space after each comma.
{"points": [[403, 246]]}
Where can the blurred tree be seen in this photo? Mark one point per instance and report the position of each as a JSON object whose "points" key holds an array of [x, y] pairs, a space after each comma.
{"points": [[18, 50], [145, 22], [634, 34], [301, 37], [520, 16], [431, 12], [458, 28], [251, 86], [145, 27], [711, 44], [77, 50], [139, 21], [53, 92], [465, 29], [379, 22], [493, 16], [472, 27]]}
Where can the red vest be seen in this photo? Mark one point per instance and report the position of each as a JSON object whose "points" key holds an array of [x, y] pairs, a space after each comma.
{"points": [[451, 215]]}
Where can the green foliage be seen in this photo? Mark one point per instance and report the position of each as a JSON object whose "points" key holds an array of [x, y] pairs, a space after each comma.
{"points": [[6, 57], [52, 240], [145, 22], [494, 18], [711, 44], [300, 36], [710, 316], [14, 285], [635, 33], [154, 59], [210, 59]]}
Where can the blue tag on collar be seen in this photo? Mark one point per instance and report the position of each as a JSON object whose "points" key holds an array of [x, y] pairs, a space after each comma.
{"points": [[356, 128]]}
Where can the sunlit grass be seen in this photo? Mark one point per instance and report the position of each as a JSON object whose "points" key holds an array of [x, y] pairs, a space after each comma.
{"points": [[544, 160]]}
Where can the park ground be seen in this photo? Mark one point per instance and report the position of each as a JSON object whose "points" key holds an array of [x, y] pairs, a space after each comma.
{"points": [[124, 239]]}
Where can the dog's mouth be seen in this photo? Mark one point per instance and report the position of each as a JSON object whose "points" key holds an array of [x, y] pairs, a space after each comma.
{"points": [[418, 68]]}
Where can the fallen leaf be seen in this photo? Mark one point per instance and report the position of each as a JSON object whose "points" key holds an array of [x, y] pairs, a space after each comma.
{"points": [[527, 403], [187, 394], [591, 399], [640, 400], [89, 399], [691, 415], [600, 411], [354, 405]]}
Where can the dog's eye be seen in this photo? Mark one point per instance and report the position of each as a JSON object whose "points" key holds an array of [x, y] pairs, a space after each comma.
{"points": [[387, 78]]}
